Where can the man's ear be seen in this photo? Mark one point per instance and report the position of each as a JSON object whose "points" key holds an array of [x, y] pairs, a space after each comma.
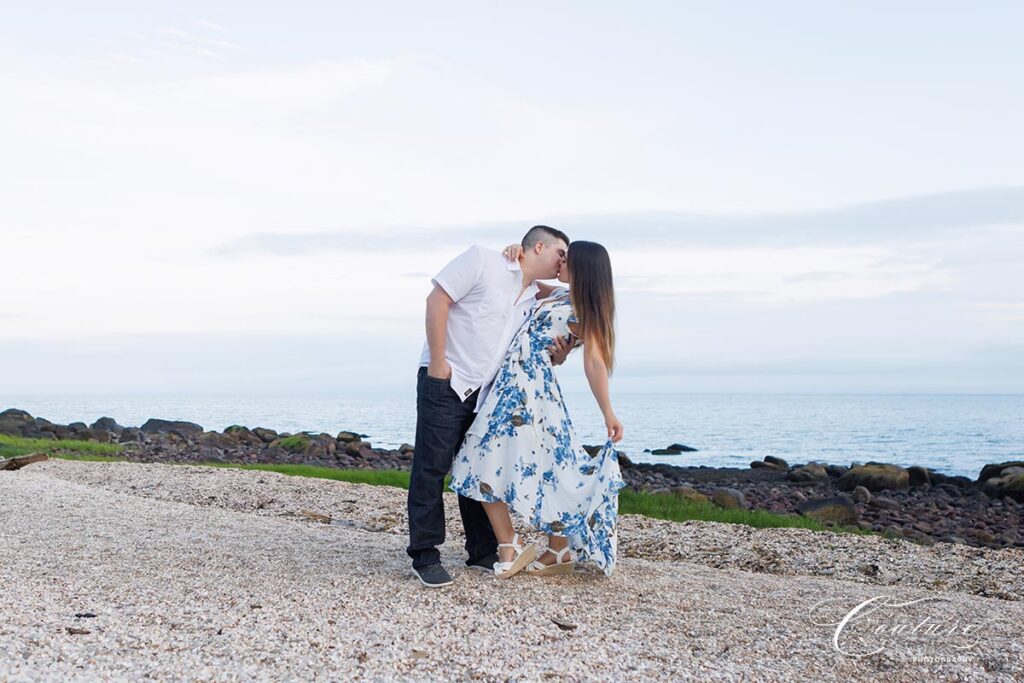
{"points": [[539, 247]]}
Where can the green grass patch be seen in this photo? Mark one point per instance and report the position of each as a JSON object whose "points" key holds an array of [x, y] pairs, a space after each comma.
{"points": [[659, 506], [294, 443], [12, 446], [656, 505]]}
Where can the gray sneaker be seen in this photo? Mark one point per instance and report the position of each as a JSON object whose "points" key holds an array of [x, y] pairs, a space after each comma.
{"points": [[433, 576]]}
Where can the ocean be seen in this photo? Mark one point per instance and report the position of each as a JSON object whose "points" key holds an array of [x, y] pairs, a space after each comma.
{"points": [[953, 434]]}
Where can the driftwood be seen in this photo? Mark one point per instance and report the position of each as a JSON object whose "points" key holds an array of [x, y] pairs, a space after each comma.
{"points": [[22, 460]]}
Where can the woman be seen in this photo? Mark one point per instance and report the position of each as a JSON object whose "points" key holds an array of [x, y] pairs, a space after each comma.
{"points": [[521, 451]]}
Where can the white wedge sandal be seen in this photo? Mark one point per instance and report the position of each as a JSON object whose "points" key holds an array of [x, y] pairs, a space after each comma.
{"points": [[560, 566], [524, 556]]}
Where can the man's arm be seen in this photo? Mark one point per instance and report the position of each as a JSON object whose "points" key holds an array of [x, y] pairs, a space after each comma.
{"points": [[438, 303]]}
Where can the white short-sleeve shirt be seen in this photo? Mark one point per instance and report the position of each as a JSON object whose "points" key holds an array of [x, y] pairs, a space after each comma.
{"points": [[488, 309]]}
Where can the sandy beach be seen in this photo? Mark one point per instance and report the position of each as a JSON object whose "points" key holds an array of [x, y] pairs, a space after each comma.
{"points": [[120, 571]]}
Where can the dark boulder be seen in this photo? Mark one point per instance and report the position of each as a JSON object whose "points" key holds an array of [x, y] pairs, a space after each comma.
{"points": [[107, 423], [680, 447], [776, 462], [1009, 483], [666, 451], [130, 435], [918, 476], [728, 498], [987, 472], [156, 426], [14, 422], [838, 510], [836, 471], [16, 414], [874, 477], [811, 472]]}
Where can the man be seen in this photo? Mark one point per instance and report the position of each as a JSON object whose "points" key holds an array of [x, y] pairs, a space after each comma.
{"points": [[478, 302]]}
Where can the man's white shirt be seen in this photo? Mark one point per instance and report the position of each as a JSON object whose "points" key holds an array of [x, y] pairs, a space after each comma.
{"points": [[487, 312]]}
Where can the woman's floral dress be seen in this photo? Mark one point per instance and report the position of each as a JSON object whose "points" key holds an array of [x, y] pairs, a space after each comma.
{"points": [[522, 450]]}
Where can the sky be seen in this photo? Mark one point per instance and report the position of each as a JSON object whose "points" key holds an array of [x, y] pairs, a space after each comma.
{"points": [[798, 197]]}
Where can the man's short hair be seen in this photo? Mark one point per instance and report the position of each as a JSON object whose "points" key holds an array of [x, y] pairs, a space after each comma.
{"points": [[543, 233]]}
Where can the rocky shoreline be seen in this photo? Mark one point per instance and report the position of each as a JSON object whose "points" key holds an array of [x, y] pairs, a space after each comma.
{"points": [[915, 503]]}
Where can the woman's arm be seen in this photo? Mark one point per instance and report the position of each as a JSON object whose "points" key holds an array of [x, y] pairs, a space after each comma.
{"points": [[597, 374]]}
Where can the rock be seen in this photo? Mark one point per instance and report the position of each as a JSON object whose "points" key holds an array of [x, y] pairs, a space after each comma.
{"points": [[156, 426], [624, 461], [987, 472], [918, 476], [237, 435], [874, 477], [666, 451], [728, 498], [353, 448], [776, 462], [1009, 484], [923, 527], [106, 423], [130, 434], [77, 427], [322, 447], [680, 447], [861, 495], [405, 448], [691, 494], [14, 422], [98, 435], [16, 414], [836, 471], [884, 503], [810, 472], [838, 510], [762, 465], [347, 437], [265, 435], [959, 481], [983, 536]]}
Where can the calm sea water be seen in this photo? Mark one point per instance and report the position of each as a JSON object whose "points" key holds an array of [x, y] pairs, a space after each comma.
{"points": [[954, 434]]}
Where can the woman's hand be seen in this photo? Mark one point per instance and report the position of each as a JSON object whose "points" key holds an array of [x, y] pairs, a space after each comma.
{"points": [[615, 428], [512, 252]]}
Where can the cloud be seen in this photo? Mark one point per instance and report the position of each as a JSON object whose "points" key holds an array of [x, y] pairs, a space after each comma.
{"points": [[212, 25], [1001, 311], [925, 217]]}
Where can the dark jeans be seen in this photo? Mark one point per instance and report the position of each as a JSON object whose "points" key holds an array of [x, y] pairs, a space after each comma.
{"points": [[442, 420]]}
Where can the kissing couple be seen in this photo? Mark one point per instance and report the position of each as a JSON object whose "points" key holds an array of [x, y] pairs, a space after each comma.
{"points": [[489, 409]]}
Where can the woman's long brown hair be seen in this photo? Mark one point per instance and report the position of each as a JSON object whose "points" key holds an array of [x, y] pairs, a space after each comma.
{"points": [[592, 294]]}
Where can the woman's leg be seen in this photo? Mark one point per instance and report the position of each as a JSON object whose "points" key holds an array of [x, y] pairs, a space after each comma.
{"points": [[501, 521]]}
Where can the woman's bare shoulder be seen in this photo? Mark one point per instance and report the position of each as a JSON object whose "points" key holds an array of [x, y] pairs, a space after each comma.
{"points": [[545, 291]]}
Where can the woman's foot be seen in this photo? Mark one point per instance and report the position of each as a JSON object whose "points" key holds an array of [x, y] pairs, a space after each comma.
{"points": [[513, 557], [552, 561]]}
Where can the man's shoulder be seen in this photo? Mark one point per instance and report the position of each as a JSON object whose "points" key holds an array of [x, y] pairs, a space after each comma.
{"points": [[493, 261], [486, 253]]}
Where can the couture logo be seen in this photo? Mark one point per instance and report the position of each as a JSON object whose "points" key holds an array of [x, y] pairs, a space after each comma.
{"points": [[876, 624]]}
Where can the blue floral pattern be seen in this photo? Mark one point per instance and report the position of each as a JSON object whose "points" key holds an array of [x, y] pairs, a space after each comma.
{"points": [[522, 450]]}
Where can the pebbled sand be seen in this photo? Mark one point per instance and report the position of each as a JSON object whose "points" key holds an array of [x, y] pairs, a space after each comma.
{"points": [[200, 573]]}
